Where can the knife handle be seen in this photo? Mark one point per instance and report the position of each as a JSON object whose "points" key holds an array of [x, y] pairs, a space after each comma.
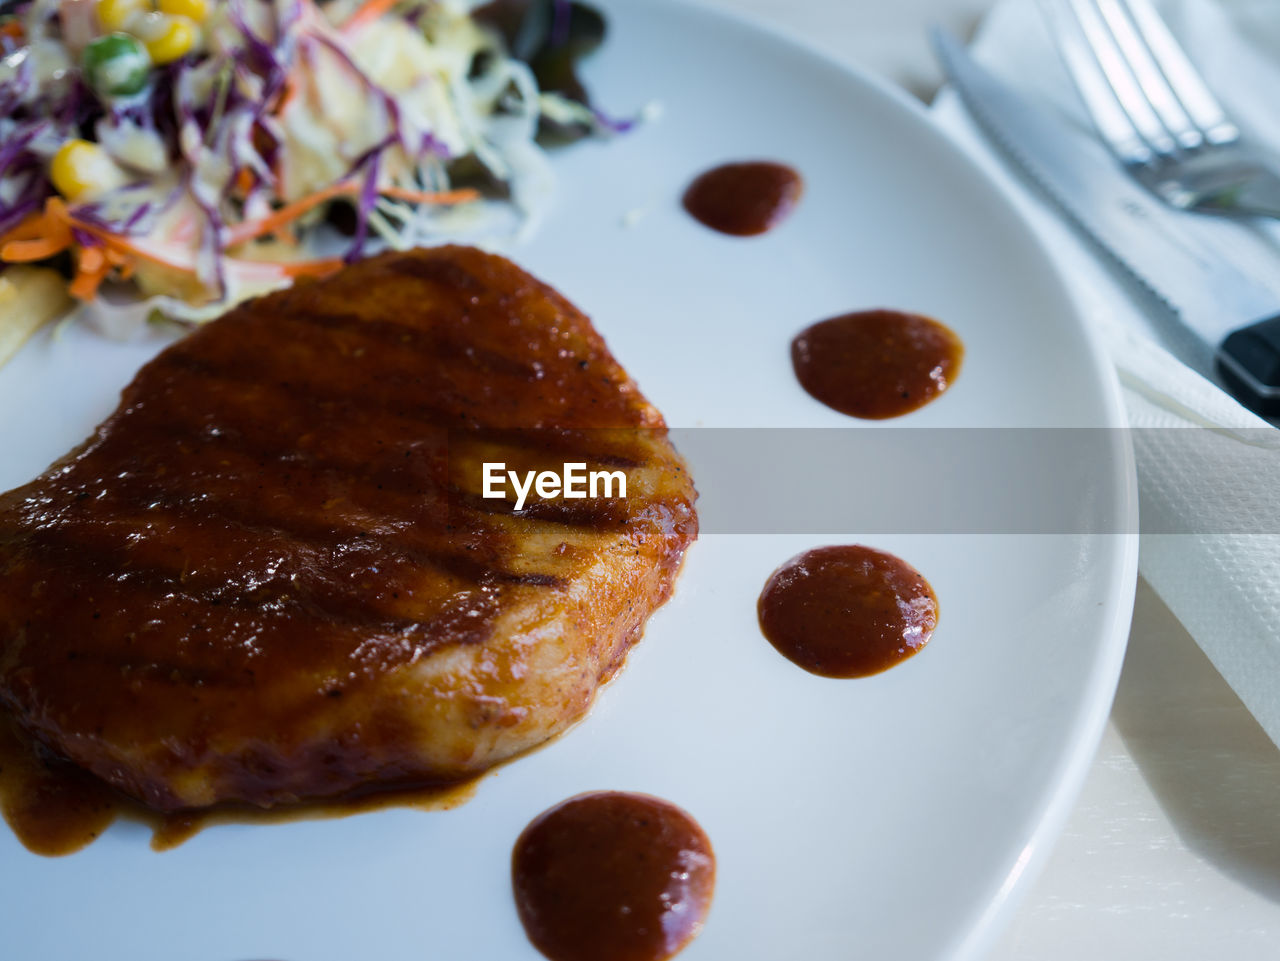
{"points": [[1249, 363]]}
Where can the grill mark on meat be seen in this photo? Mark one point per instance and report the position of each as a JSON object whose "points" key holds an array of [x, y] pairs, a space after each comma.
{"points": [[400, 497], [449, 275], [89, 547], [313, 529], [477, 572], [404, 462], [345, 634], [384, 395], [441, 345]]}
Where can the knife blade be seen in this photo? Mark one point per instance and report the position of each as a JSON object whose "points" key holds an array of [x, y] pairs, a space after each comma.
{"points": [[1136, 231]]}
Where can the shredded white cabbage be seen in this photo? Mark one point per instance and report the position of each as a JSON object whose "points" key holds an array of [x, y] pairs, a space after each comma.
{"points": [[230, 155]]}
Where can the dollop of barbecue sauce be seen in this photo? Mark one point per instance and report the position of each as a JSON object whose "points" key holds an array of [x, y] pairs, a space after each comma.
{"points": [[847, 611], [744, 199], [612, 875], [876, 364]]}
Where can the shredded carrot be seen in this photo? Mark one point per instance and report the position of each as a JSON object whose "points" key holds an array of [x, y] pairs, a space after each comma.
{"points": [[23, 251], [117, 245], [91, 267], [42, 235], [442, 197], [303, 268], [32, 227], [369, 11], [122, 247], [92, 258], [39, 236], [12, 29], [273, 222], [287, 93], [49, 232]]}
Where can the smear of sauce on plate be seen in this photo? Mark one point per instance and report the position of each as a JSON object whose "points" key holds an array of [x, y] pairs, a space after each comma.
{"points": [[55, 808], [847, 611], [876, 364], [612, 875], [744, 199]]}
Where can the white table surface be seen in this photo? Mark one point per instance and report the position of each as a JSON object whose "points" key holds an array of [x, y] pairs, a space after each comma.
{"points": [[1173, 849]]}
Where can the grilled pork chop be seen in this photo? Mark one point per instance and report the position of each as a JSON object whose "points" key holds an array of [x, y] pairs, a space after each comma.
{"points": [[270, 575]]}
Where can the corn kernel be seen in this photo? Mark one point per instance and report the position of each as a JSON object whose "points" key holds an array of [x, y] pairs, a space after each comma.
{"points": [[167, 38], [197, 10], [81, 170], [114, 14]]}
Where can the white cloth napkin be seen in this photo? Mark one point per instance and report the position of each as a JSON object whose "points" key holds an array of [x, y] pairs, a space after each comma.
{"points": [[1223, 583]]}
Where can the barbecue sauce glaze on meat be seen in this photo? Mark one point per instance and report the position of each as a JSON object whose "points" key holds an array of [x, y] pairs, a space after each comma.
{"points": [[615, 875], [269, 575], [876, 364], [56, 808], [847, 611]]}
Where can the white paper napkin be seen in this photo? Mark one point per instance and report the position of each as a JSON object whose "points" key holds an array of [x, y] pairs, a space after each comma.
{"points": [[1223, 584]]}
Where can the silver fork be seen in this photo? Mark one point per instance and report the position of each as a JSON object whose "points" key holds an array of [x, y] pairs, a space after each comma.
{"points": [[1155, 112]]}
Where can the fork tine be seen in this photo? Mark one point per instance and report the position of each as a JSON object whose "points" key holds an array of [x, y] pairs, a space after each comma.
{"points": [[1192, 92], [1114, 123], [1120, 75], [1150, 78]]}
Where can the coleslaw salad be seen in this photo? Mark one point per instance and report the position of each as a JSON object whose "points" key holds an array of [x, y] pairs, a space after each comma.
{"points": [[183, 155]]}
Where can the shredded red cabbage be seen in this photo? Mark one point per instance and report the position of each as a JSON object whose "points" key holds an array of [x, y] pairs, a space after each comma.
{"points": [[10, 217], [368, 197]]}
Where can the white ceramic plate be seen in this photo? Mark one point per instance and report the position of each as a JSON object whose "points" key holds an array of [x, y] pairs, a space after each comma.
{"points": [[890, 817]]}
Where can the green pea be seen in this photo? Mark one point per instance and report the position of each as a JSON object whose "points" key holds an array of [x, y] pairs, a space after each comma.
{"points": [[117, 65]]}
